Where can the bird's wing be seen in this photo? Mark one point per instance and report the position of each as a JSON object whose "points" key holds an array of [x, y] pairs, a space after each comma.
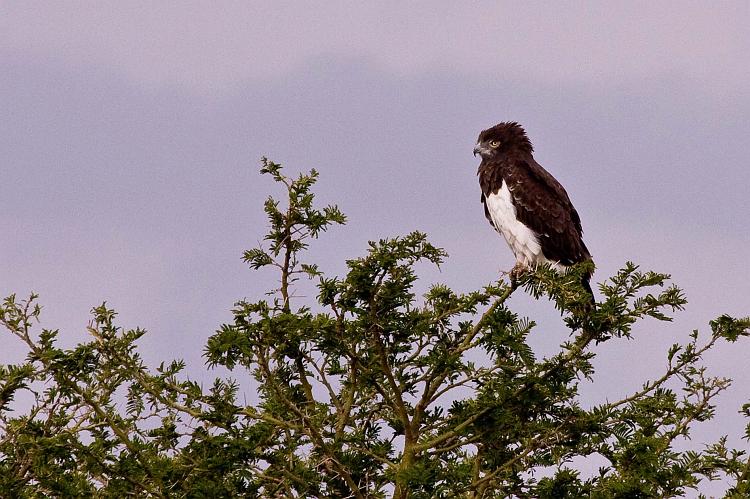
{"points": [[543, 205]]}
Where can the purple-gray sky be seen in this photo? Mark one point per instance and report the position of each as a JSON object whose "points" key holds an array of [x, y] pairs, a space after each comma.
{"points": [[130, 136]]}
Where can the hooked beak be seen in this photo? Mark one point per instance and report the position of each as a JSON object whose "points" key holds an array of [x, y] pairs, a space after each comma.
{"points": [[477, 150]]}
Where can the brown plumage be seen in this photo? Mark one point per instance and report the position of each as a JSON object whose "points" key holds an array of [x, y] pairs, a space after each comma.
{"points": [[509, 175]]}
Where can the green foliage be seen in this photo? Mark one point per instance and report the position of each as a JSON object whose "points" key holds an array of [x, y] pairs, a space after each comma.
{"points": [[368, 391]]}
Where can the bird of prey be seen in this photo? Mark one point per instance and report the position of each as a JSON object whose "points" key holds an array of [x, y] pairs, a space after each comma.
{"points": [[524, 203]]}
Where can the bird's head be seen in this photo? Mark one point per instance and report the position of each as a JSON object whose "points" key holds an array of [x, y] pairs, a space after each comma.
{"points": [[501, 140]]}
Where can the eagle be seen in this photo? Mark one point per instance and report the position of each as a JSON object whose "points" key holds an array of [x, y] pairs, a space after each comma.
{"points": [[526, 204]]}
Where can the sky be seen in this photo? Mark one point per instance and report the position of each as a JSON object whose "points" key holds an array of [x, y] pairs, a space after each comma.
{"points": [[131, 133]]}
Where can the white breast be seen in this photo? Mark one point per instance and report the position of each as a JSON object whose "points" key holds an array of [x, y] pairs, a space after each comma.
{"points": [[523, 241]]}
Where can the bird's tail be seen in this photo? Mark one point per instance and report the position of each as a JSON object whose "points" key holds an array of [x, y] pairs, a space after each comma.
{"points": [[586, 282]]}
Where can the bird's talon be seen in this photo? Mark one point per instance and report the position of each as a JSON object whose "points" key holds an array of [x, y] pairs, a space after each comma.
{"points": [[516, 271]]}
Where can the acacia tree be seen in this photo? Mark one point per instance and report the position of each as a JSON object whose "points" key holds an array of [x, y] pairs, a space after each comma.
{"points": [[367, 391]]}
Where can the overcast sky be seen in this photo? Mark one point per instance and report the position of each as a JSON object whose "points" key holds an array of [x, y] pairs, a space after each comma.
{"points": [[130, 136]]}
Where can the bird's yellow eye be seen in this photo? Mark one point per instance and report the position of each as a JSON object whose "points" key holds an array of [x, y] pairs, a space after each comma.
{"points": [[494, 144]]}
